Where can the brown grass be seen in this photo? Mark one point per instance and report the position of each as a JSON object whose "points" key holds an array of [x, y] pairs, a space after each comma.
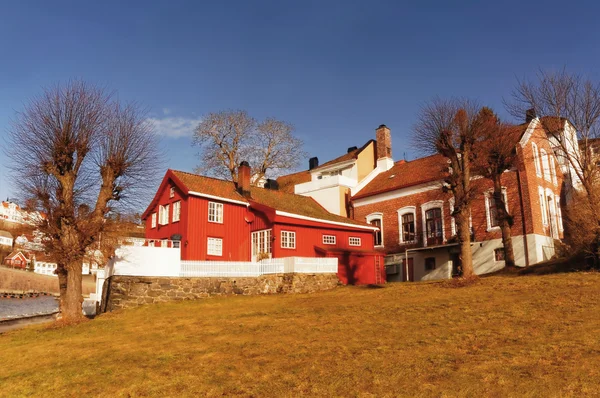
{"points": [[20, 280], [524, 337]]}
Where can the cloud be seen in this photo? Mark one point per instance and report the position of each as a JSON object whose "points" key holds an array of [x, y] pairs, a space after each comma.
{"points": [[174, 127]]}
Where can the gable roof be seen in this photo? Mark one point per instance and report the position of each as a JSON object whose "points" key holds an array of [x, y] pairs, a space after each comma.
{"points": [[346, 157], [197, 185], [288, 182], [405, 174]]}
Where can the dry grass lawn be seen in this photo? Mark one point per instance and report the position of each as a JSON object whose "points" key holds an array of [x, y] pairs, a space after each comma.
{"points": [[527, 336], [20, 280]]}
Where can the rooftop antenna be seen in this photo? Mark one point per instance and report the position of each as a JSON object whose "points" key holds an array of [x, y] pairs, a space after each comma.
{"points": [[404, 156]]}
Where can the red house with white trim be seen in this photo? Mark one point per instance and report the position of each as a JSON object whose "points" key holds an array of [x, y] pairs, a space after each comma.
{"points": [[218, 220]]}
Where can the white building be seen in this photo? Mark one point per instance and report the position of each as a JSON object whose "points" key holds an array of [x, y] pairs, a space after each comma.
{"points": [[6, 239]]}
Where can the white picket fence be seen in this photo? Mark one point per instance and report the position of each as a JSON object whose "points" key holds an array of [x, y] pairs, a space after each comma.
{"points": [[304, 265]]}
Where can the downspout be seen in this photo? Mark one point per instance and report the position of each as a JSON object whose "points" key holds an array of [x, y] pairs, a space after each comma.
{"points": [[525, 247]]}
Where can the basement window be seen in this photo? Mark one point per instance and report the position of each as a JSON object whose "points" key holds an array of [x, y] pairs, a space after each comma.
{"points": [[429, 263], [499, 254]]}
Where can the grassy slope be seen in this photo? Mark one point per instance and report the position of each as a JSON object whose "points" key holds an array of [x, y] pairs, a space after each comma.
{"points": [[504, 336], [20, 280]]}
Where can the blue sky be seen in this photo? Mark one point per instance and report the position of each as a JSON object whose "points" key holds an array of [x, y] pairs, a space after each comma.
{"points": [[334, 69]]}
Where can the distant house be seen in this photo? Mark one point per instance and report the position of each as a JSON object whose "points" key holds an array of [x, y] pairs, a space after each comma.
{"points": [[13, 213], [17, 259], [219, 221], [44, 264], [6, 239]]}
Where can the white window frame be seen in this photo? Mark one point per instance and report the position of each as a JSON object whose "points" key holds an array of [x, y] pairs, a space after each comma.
{"points": [[402, 211], [354, 241], [176, 211], [543, 207], [452, 219], [559, 213], [172, 192], [329, 239], [163, 214], [377, 216], [428, 206], [288, 239], [217, 212], [214, 246], [488, 216], [536, 159], [153, 220], [545, 165]]}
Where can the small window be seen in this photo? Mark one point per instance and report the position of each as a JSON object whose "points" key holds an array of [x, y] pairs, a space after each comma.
{"points": [[176, 211], [329, 239], [172, 192], [288, 240], [499, 254], [354, 241], [429, 263], [215, 212], [375, 220], [153, 220], [545, 165], [214, 247]]}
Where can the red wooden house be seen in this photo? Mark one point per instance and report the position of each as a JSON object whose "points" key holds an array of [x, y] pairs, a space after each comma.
{"points": [[17, 259], [219, 220]]}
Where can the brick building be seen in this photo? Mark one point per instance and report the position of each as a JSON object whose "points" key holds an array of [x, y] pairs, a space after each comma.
{"points": [[405, 200]]}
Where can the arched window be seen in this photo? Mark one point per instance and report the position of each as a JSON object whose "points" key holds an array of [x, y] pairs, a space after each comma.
{"points": [[536, 159], [433, 220], [545, 165], [407, 223], [376, 220]]}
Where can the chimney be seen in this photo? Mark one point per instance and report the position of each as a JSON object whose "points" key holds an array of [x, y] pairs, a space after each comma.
{"points": [[272, 184], [313, 163], [352, 148], [384, 147], [243, 184], [530, 115]]}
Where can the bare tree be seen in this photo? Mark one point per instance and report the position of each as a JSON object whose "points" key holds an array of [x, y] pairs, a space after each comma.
{"points": [[228, 137], [558, 97], [81, 153], [496, 153], [451, 128]]}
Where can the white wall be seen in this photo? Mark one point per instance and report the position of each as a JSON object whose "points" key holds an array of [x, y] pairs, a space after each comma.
{"points": [[329, 198], [147, 261]]}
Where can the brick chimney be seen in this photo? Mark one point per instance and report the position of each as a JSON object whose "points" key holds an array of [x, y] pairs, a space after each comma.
{"points": [[530, 115], [243, 183], [383, 136]]}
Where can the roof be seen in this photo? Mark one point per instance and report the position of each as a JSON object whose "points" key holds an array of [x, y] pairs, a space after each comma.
{"points": [[346, 157], [278, 200], [6, 234], [553, 123], [405, 174], [288, 182]]}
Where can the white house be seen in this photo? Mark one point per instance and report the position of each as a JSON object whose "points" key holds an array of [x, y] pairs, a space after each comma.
{"points": [[6, 239]]}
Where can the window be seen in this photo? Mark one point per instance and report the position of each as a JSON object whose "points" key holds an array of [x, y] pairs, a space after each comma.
{"points": [[215, 212], [261, 243], [288, 240], [491, 207], [176, 210], [163, 214], [559, 214], [376, 220], [153, 220], [406, 220], [214, 247], [542, 199], [545, 165], [429, 263], [172, 192], [329, 239], [354, 241], [536, 160], [433, 225], [499, 254], [553, 170]]}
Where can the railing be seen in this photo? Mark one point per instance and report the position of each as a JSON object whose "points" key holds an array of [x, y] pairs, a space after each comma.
{"points": [[302, 265]]}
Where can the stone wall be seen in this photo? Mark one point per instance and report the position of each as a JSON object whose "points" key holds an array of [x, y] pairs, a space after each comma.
{"points": [[131, 291]]}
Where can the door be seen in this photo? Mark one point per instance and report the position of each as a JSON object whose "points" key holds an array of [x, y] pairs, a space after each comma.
{"points": [[408, 271], [261, 245]]}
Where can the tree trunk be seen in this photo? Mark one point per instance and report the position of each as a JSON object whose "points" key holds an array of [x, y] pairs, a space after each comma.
{"points": [[463, 232], [505, 222], [71, 291]]}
